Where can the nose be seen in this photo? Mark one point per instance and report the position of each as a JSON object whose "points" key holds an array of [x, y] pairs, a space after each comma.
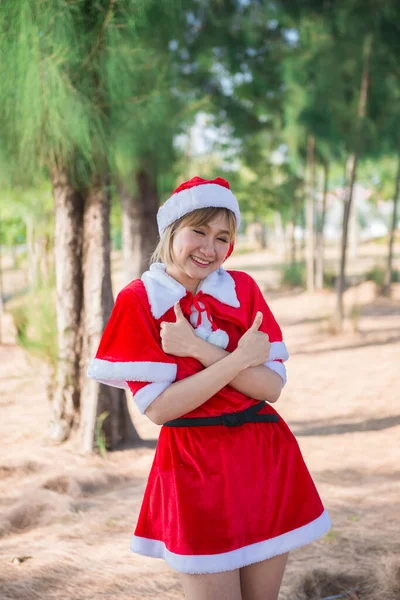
{"points": [[207, 248]]}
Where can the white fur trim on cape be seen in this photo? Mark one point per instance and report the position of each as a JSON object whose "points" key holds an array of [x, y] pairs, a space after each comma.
{"points": [[235, 559], [220, 285], [278, 367], [163, 290], [199, 196], [117, 374], [144, 397]]}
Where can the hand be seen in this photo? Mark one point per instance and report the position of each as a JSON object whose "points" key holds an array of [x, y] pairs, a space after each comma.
{"points": [[255, 344], [178, 338]]}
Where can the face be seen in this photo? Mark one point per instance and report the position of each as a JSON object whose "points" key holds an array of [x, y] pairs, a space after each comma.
{"points": [[198, 251]]}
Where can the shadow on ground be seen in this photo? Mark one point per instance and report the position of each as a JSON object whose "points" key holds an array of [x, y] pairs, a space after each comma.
{"points": [[326, 428]]}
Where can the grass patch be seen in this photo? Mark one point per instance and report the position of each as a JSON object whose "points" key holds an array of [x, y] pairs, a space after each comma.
{"points": [[293, 275]]}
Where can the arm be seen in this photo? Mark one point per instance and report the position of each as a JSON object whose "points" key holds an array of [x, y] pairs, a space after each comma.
{"points": [[257, 382], [184, 396]]}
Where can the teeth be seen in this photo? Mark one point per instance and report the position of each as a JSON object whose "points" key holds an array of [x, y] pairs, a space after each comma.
{"points": [[203, 262]]}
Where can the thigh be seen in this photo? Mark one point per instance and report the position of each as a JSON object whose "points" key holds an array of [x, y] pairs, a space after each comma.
{"points": [[212, 586], [262, 580]]}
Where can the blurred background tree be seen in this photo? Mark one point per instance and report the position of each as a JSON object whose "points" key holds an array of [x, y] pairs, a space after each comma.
{"points": [[103, 107]]}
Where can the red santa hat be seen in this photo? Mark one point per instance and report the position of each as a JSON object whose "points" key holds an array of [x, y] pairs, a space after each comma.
{"points": [[194, 194]]}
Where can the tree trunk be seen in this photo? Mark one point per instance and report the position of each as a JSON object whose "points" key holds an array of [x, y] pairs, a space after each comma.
{"points": [[293, 257], [351, 177], [319, 275], [130, 235], [303, 224], [389, 268], [289, 236], [279, 235], [149, 202], [263, 236], [67, 254], [310, 213], [139, 224], [354, 233], [97, 305]]}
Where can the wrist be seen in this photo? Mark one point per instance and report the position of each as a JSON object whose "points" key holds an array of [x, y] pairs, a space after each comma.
{"points": [[239, 357], [198, 348]]}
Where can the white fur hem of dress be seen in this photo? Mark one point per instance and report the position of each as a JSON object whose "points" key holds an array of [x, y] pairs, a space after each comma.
{"points": [[227, 561]]}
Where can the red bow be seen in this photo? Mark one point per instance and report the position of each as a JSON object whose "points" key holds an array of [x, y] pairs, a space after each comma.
{"points": [[189, 300]]}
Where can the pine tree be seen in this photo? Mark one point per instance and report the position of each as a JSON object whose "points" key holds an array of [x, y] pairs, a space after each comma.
{"points": [[63, 68]]}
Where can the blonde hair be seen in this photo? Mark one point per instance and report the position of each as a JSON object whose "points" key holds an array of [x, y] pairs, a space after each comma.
{"points": [[197, 218]]}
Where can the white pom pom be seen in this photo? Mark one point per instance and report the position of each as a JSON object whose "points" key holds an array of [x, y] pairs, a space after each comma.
{"points": [[219, 338], [202, 332]]}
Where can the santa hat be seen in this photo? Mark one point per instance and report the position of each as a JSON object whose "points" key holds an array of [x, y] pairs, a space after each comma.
{"points": [[194, 194]]}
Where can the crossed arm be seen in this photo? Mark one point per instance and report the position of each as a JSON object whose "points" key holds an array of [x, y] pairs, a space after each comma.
{"points": [[257, 382], [243, 369]]}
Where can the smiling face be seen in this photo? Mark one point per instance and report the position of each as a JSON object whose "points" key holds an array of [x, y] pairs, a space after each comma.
{"points": [[199, 249]]}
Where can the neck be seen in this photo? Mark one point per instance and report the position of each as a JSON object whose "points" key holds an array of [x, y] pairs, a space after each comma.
{"points": [[188, 283]]}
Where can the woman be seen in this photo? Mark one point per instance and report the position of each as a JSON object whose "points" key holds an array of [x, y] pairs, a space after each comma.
{"points": [[228, 494]]}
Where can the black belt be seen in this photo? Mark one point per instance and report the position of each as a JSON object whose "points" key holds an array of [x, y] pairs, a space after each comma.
{"points": [[249, 415]]}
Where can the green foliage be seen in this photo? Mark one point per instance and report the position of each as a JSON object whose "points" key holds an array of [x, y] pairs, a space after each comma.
{"points": [[20, 319], [23, 209], [100, 436], [47, 114], [329, 279], [379, 174], [12, 231], [83, 83], [293, 275], [377, 274], [105, 87], [34, 318], [116, 224]]}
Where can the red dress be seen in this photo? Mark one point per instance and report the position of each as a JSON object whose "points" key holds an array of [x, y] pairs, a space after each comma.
{"points": [[217, 498]]}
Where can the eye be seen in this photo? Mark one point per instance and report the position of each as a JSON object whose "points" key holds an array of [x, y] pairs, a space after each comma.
{"points": [[223, 240], [198, 231]]}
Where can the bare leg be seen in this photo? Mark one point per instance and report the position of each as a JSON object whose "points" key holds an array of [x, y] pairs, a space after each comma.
{"points": [[212, 586], [262, 580]]}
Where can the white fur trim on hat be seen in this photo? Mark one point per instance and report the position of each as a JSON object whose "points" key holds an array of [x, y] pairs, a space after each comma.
{"points": [[205, 195]]}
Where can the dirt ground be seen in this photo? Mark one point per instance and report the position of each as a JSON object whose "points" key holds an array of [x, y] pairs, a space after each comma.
{"points": [[66, 520]]}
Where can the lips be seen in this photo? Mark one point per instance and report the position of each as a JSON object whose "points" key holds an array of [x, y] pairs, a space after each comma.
{"points": [[199, 262]]}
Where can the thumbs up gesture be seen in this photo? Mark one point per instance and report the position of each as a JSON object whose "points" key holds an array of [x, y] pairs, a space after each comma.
{"points": [[178, 338], [255, 344], [178, 312]]}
